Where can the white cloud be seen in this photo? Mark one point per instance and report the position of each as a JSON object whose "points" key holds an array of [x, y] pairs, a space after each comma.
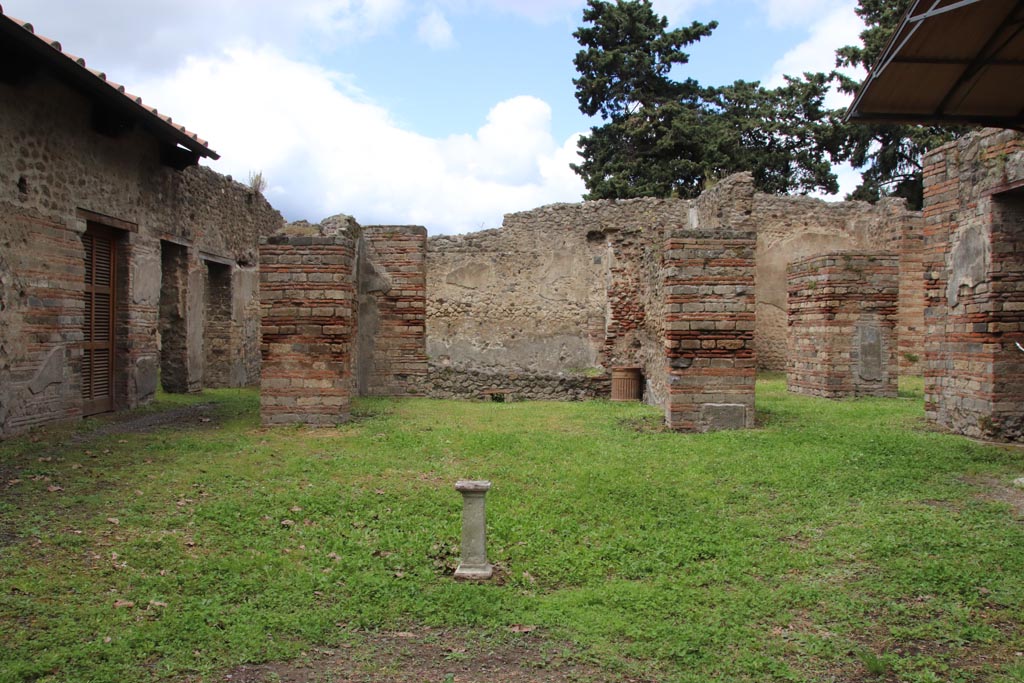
{"points": [[508, 147], [435, 31], [679, 12], [325, 150], [134, 39], [786, 13], [840, 26]]}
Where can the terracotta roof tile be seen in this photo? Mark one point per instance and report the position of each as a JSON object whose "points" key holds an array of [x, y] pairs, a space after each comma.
{"points": [[102, 81]]}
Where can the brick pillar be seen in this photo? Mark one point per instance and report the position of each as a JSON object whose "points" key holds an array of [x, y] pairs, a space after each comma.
{"points": [[307, 297], [709, 328], [842, 325]]}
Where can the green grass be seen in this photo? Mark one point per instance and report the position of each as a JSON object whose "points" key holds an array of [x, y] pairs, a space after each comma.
{"points": [[839, 541]]}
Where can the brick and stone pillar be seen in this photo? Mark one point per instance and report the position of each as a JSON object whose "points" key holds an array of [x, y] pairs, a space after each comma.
{"points": [[709, 327], [307, 295], [843, 314]]}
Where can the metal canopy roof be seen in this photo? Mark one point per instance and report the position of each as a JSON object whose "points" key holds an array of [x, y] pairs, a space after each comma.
{"points": [[183, 147], [950, 62]]}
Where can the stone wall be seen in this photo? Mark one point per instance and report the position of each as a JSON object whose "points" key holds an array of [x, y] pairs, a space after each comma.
{"points": [[59, 178], [343, 315], [307, 292], [391, 358], [447, 382], [910, 326], [220, 334], [568, 287], [560, 292], [709, 325], [842, 325], [974, 286]]}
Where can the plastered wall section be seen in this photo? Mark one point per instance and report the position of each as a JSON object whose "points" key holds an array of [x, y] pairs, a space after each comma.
{"points": [[843, 315], [710, 311], [307, 291], [550, 301], [56, 174], [974, 285]]}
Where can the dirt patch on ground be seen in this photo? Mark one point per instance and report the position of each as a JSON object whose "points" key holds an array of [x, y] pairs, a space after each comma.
{"points": [[434, 656], [189, 417], [1001, 492]]}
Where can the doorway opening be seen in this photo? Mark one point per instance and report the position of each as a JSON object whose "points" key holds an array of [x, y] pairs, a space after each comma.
{"points": [[172, 325], [217, 329]]}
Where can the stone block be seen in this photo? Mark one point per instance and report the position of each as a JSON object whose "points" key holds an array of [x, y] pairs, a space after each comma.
{"points": [[718, 416]]}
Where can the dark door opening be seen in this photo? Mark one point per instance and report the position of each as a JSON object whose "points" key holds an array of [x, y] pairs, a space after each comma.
{"points": [[174, 361], [98, 357], [217, 336]]}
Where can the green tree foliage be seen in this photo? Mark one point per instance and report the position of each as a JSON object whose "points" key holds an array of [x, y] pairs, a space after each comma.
{"points": [[786, 136], [627, 56], [664, 137], [889, 155]]}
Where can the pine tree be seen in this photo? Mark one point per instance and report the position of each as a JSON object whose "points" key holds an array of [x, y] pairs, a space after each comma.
{"points": [[663, 137]]}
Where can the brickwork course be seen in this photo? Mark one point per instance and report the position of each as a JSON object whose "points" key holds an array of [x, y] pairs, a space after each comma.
{"points": [[974, 286], [843, 314]]}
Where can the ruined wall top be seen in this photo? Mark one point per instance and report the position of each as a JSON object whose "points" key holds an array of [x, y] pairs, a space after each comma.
{"points": [[589, 218], [987, 161], [781, 216], [728, 204]]}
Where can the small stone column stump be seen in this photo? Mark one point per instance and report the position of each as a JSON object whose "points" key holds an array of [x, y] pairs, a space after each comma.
{"points": [[474, 565]]}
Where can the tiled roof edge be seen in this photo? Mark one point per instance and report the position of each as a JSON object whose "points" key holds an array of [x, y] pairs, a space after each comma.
{"points": [[200, 146]]}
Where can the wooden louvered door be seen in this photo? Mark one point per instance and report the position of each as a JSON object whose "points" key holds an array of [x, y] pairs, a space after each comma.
{"points": [[98, 325]]}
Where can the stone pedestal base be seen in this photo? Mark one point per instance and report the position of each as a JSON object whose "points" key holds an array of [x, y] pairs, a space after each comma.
{"points": [[474, 565], [481, 573]]}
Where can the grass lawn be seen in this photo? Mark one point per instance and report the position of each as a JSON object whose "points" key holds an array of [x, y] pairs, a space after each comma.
{"points": [[839, 541]]}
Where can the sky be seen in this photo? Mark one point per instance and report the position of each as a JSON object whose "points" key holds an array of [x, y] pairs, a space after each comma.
{"points": [[445, 113]]}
